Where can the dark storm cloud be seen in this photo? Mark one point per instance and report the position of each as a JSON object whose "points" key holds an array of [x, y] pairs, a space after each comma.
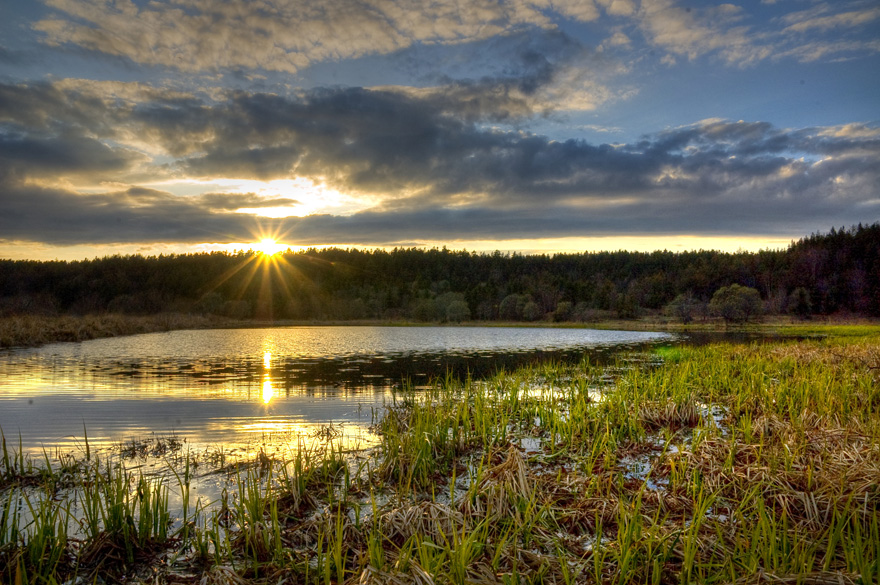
{"points": [[233, 201], [386, 142], [258, 163], [389, 143], [56, 216], [442, 224], [137, 215], [67, 154], [36, 105], [435, 174]]}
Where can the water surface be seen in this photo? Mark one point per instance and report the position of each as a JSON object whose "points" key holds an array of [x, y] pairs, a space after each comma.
{"points": [[252, 386]]}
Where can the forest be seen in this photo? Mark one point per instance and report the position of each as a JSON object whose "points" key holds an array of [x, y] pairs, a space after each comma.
{"points": [[831, 273]]}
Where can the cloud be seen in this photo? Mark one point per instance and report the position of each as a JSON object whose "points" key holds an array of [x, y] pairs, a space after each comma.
{"points": [[34, 156], [284, 35], [382, 143], [824, 50], [691, 33], [542, 74], [428, 172], [818, 18], [731, 34], [619, 7], [244, 40], [61, 217], [802, 37], [234, 201], [618, 39]]}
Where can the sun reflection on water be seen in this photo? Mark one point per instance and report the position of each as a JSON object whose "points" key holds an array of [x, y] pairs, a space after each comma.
{"points": [[268, 391]]}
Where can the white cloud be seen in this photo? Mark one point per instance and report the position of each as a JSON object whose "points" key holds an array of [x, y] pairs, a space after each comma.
{"points": [[816, 19], [618, 39], [618, 7], [206, 36], [582, 10], [728, 32], [853, 131], [692, 33], [829, 50], [285, 35]]}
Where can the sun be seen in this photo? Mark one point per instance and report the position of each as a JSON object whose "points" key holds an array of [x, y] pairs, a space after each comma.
{"points": [[269, 246]]}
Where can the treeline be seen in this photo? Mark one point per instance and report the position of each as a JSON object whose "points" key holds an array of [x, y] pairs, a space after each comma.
{"points": [[821, 274]]}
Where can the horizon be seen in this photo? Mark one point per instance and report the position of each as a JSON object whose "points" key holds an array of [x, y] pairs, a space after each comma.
{"points": [[736, 246], [253, 249], [578, 126]]}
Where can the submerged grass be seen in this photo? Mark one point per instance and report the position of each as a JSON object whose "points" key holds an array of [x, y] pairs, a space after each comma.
{"points": [[715, 464]]}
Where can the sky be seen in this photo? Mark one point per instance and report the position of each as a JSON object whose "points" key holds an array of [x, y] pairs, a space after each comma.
{"points": [[169, 126]]}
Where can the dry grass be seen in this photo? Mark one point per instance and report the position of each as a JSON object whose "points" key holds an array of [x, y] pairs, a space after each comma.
{"points": [[669, 414], [813, 578], [33, 330], [428, 519]]}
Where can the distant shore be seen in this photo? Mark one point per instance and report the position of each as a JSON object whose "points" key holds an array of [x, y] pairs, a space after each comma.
{"points": [[37, 330]]}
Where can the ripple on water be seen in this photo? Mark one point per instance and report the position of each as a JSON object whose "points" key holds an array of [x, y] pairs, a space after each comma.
{"points": [[223, 387]]}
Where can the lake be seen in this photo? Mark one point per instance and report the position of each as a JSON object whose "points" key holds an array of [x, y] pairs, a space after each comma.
{"points": [[241, 389]]}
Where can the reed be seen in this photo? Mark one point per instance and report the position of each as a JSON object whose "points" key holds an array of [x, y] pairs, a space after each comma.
{"points": [[124, 516]]}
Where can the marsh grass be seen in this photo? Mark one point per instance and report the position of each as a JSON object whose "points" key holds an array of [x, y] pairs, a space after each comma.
{"points": [[718, 464], [35, 330]]}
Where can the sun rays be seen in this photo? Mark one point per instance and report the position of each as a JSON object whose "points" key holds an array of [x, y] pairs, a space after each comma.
{"points": [[269, 246], [264, 267]]}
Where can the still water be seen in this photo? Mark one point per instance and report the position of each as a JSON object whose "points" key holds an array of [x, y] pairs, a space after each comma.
{"points": [[256, 386]]}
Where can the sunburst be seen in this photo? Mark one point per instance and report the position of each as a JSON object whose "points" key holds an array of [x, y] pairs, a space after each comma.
{"points": [[269, 246], [267, 267]]}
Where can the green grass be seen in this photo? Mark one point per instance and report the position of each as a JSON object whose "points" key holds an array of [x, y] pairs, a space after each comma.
{"points": [[715, 464]]}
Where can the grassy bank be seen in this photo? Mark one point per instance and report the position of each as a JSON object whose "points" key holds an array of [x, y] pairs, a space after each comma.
{"points": [[36, 330], [716, 464]]}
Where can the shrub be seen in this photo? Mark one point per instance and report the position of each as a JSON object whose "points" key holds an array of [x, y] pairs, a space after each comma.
{"points": [[736, 303], [684, 307], [563, 311], [458, 311], [531, 311]]}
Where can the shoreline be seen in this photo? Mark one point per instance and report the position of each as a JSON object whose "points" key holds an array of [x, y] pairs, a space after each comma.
{"points": [[23, 331]]}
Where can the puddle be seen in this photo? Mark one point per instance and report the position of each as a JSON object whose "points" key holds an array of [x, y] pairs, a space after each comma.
{"points": [[529, 445], [639, 468]]}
